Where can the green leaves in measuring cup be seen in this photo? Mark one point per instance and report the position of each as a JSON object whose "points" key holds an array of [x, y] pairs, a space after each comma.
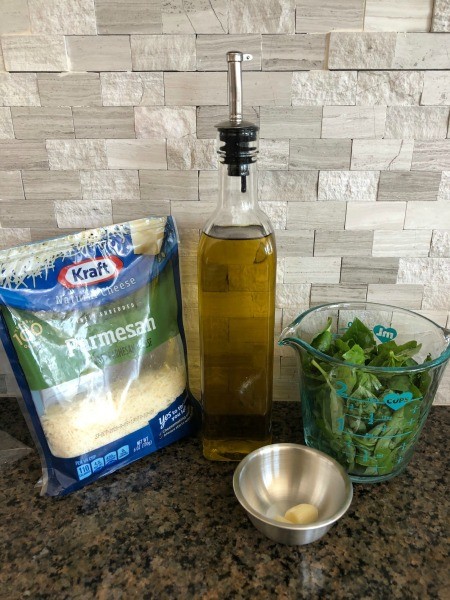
{"points": [[323, 339], [366, 420], [390, 354], [359, 334], [355, 355]]}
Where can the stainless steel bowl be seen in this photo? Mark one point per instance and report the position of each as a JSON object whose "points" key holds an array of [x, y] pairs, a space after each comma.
{"points": [[274, 478]]}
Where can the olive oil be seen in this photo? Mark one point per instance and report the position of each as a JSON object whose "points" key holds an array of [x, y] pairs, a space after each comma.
{"points": [[236, 292], [236, 307]]}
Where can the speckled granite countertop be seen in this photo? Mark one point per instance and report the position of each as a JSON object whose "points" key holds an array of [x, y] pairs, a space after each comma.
{"points": [[169, 526]]}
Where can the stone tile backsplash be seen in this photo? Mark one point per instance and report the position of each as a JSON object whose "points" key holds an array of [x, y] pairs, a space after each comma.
{"points": [[107, 113]]}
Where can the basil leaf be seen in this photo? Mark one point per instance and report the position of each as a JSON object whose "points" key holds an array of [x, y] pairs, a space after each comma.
{"points": [[355, 355], [360, 334], [322, 341]]}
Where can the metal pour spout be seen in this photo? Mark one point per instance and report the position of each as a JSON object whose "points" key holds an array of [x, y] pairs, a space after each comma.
{"points": [[235, 101]]}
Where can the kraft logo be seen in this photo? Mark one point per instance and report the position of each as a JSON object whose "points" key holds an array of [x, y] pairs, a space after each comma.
{"points": [[90, 271]]}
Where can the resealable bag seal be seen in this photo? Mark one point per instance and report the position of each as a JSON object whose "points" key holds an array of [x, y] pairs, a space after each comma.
{"points": [[92, 326]]}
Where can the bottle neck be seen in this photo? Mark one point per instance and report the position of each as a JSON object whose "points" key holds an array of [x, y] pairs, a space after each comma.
{"points": [[238, 193], [238, 214]]}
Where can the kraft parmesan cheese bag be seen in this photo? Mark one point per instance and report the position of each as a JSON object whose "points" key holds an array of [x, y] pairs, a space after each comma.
{"points": [[92, 326]]}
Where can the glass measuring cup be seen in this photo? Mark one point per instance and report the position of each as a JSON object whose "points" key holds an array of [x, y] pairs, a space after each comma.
{"points": [[368, 418]]}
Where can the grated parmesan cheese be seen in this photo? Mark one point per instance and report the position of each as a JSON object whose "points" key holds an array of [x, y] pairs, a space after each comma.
{"points": [[93, 328], [83, 423]]}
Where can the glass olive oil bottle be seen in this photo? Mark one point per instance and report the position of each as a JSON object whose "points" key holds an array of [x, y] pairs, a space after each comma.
{"points": [[236, 280]]}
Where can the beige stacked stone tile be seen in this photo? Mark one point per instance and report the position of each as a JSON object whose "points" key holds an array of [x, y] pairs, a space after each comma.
{"points": [[290, 186], [373, 216], [190, 153], [313, 269], [211, 50], [420, 216], [444, 187], [99, 52], [348, 186], [361, 50], [24, 214], [104, 122], [268, 89], [291, 122], [436, 88], [129, 16], [388, 50], [195, 89], [293, 52], [416, 122], [436, 297], [307, 154], [343, 243], [295, 243], [110, 185], [353, 122], [389, 88], [424, 270], [139, 209], [398, 15], [6, 125], [316, 215], [40, 123], [411, 242], [441, 16], [207, 186], [382, 155], [406, 296], [273, 154], [34, 52], [14, 237], [288, 294], [440, 244], [15, 17], [431, 155], [169, 185], [136, 154], [11, 186], [369, 270], [320, 88], [19, 154], [67, 17], [329, 15], [48, 185], [80, 213], [344, 292], [261, 16], [409, 186], [132, 89], [67, 155], [197, 16], [165, 121], [163, 52], [277, 213], [192, 215], [421, 51], [69, 89]]}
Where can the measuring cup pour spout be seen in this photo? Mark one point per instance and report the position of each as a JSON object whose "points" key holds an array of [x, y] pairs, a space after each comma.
{"points": [[288, 338], [368, 374], [294, 336]]}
